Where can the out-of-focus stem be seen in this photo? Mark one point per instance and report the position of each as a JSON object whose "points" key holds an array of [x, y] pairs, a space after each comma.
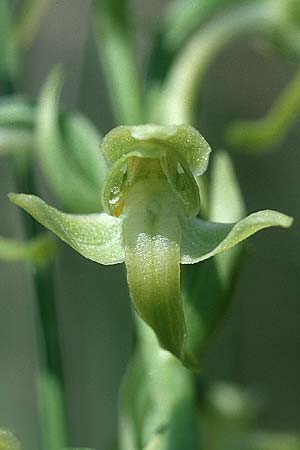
{"points": [[189, 68], [28, 21], [166, 388], [119, 62], [51, 386], [51, 394], [268, 132]]}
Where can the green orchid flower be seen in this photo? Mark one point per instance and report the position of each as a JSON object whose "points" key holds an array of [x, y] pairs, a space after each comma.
{"points": [[151, 202]]}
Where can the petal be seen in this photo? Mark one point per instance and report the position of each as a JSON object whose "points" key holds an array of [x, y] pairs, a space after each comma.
{"points": [[152, 256], [202, 240], [183, 140], [96, 236], [122, 176], [153, 273]]}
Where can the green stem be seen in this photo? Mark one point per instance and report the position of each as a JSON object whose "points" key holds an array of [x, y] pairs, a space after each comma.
{"points": [[270, 131], [158, 403], [9, 57], [51, 380], [28, 22], [188, 70], [51, 386], [118, 57]]}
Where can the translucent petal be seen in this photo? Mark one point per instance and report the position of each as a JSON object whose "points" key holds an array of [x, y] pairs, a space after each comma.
{"points": [[96, 236], [152, 255], [183, 139], [202, 240]]}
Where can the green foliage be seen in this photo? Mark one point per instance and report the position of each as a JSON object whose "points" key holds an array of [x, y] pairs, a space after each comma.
{"points": [[38, 250], [113, 26], [28, 21], [153, 217], [269, 132], [7, 49], [69, 159], [51, 410]]}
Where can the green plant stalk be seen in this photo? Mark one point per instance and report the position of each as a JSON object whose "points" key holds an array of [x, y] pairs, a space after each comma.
{"points": [[118, 57], [51, 386], [187, 73], [158, 402], [269, 131], [8, 61], [28, 21], [52, 408]]}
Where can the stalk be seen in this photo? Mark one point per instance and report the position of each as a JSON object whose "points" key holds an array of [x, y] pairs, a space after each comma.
{"points": [[51, 388], [51, 383], [158, 400], [187, 73], [118, 57]]}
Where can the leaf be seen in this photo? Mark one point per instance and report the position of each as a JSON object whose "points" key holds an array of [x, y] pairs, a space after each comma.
{"points": [[16, 112], [83, 138], [14, 141], [116, 49], [28, 21], [226, 205], [52, 412], [225, 199], [202, 240], [96, 236], [8, 441], [169, 421], [8, 60], [68, 163], [38, 250], [264, 440], [182, 20], [134, 404]]}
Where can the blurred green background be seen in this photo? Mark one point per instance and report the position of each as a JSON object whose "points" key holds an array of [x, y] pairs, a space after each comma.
{"points": [[258, 344]]}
